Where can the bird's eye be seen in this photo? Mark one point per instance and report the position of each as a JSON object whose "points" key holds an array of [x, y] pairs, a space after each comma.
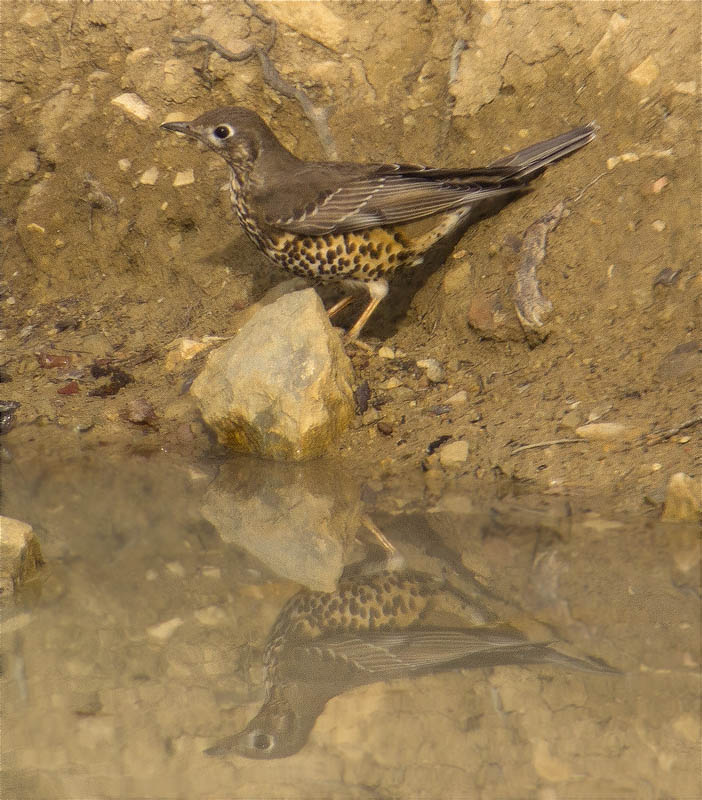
{"points": [[262, 741], [223, 131]]}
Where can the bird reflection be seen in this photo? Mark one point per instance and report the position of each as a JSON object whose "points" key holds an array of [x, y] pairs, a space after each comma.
{"points": [[374, 627]]}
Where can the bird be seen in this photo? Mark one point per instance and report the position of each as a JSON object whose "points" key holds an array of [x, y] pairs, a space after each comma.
{"points": [[374, 627], [357, 223]]}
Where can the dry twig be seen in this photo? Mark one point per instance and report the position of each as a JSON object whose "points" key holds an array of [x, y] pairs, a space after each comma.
{"points": [[536, 445], [660, 436]]}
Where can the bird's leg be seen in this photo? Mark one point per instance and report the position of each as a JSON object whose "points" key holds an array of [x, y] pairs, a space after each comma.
{"points": [[377, 291], [338, 306], [394, 560]]}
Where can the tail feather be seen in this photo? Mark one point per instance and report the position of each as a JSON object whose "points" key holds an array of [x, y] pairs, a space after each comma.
{"points": [[536, 157]]}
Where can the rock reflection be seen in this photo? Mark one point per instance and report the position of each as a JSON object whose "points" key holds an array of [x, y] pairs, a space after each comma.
{"points": [[375, 626], [299, 519]]}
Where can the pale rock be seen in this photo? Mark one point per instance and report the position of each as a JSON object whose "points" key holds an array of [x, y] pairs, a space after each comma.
{"points": [[549, 767], [164, 630], [138, 55], [133, 104], [182, 350], [35, 16], [432, 369], [658, 225], [454, 454], [20, 554], [617, 24], [646, 72], [124, 164], [386, 352], [149, 176], [210, 616], [683, 499], [606, 430], [458, 399], [184, 178], [316, 21], [391, 383], [282, 387], [23, 167], [687, 726], [685, 87]]}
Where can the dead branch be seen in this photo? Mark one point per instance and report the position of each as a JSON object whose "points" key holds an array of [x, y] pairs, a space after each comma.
{"points": [[536, 445]]}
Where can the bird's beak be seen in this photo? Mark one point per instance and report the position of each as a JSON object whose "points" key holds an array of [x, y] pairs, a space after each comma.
{"points": [[178, 127]]}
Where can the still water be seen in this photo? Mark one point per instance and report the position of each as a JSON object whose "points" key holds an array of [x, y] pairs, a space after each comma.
{"points": [[236, 630]]}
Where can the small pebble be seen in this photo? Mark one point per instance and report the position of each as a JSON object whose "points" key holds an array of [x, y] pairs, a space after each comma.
{"points": [[433, 369], [385, 428], [164, 630], [386, 352], [658, 225], [133, 104], [184, 178], [454, 454], [140, 412], [458, 399], [605, 430], [391, 383], [658, 186], [149, 176]]}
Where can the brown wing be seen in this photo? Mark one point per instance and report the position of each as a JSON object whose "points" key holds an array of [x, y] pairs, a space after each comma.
{"points": [[335, 198], [390, 194]]}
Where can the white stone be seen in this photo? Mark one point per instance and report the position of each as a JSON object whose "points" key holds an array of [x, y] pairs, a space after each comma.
{"points": [[184, 178], [137, 55], [646, 72], [210, 616], [391, 383], [182, 350], [35, 16], [454, 454], [606, 430], [685, 87], [316, 21], [133, 104], [458, 399], [433, 369], [149, 176], [164, 630], [617, 23]]}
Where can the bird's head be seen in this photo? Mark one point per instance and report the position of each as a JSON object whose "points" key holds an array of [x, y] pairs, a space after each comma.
{"points": [[280, 729], [237, 134]]}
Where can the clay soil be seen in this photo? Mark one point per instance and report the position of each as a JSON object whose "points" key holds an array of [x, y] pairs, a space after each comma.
{"points": [[104, 267]]}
